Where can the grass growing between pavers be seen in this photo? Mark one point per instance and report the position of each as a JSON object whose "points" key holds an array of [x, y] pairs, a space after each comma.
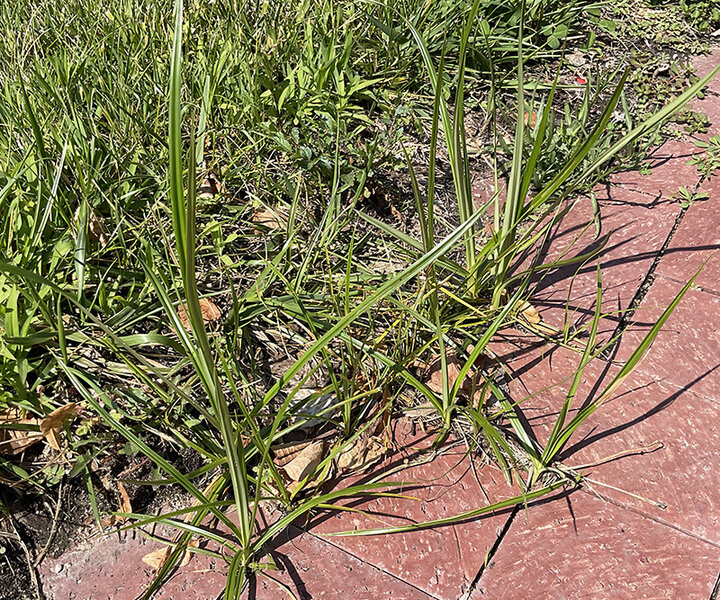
{"points": [[197, 252]]}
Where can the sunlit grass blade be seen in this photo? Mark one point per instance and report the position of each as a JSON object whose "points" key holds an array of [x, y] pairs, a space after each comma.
{"points": [[514, 200], [628, 367], [651, 123], [471, 514], [185, 240], [551, 448]]}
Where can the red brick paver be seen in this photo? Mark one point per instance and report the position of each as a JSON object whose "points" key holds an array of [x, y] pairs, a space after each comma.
{"points": [[653, 530], [697, 242], [581, 547], [638, 226], [312, 568], [650, 440], [442, 561]]}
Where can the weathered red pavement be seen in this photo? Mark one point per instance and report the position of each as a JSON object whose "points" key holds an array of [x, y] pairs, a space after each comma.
{"points": [[646, 525]]}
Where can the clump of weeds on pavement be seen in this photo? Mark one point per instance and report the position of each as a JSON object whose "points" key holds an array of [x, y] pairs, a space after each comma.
{"points": [[229, 290]]}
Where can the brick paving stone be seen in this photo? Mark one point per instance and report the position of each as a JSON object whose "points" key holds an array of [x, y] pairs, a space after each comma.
{"points": [[582, 548], [696, 240], [539, 377], [704, 64], [312, 568], [710, 106], [638, 225], [668, 171], [441, 561], [672, 444], [650, 439], [309, 567], [111, 568], [686, 352]]}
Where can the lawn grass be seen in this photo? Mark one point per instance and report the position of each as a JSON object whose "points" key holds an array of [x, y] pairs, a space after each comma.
{"points": [[195, 249]]}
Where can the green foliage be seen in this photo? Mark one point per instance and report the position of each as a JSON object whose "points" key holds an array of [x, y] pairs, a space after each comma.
{"points": [[566, 124], [708, 162], [685, 197], [703, 14], [111, 123], [656, 80]]}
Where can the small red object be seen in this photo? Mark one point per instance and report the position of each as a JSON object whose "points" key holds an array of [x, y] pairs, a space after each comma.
{"points": [[581, 80]]}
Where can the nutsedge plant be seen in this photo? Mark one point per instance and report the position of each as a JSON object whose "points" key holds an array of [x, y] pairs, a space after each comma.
{"points": [[106, 318]]}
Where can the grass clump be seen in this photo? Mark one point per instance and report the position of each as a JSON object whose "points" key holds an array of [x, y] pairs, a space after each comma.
{"points": [[192, 246]]}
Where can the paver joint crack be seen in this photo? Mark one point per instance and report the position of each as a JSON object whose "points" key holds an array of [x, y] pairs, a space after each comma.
{"points": [[649, 279], [491, 553]]}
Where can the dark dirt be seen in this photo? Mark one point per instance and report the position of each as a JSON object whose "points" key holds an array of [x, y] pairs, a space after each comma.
{"points": [[39, 528]]}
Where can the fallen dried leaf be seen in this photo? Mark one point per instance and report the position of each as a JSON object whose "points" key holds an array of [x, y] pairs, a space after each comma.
{"points": [[433, 377], [51, 425], [210, 187], [187, 555], [530, 313], [96, 227], [284, 453], [15, 441], [125, 505], [157, 558], [305, 462], [366, 451], [267, 219], [530, 118], [209, 310]]}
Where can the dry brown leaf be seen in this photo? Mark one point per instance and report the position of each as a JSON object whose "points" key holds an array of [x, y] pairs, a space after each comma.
{"points": [[366, 451], [267, 219], [305, 462], [530, 118], [125, 505], [530, 313], [157, 558], [15, 441], [210, 187], [96, 227], [187, 555], [284, 453], [51, 425], [433, 377], [434, 381], [209, 310]]}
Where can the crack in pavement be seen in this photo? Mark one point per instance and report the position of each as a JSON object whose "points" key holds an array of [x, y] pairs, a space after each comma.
{"points": [[647, 283], [367, 562], [491, 553]]}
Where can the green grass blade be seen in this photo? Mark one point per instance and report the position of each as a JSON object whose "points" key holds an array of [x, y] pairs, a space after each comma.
{"points": [[624, 372]]}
